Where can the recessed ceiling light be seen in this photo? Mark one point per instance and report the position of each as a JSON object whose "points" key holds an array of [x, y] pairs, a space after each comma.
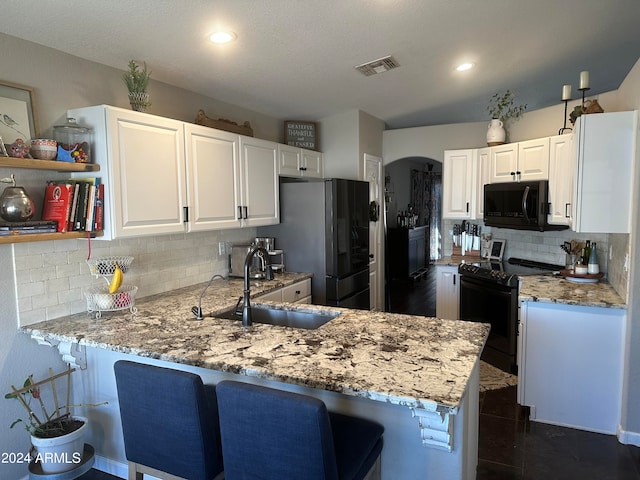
{"points": [[222, 37], [463, 67]]}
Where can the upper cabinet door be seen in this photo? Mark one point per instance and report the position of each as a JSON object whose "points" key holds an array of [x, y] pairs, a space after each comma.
{"points": [[458, 184], [312, 164], [259, 170], [604, 175], [289, 160], [504, 163], [533, 160], [146, 154], [483, 169], [561, 179], [213, 178]]}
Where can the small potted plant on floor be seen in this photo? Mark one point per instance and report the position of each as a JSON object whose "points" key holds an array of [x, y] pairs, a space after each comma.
{"points": [[137, 81], [502, 110], [57, 436]]}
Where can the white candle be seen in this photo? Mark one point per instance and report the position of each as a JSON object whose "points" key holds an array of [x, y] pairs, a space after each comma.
{"points": [[584, 80], [566, 92]]}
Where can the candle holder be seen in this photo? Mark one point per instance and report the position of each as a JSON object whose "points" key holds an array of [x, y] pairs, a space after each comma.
{"points": [[565, 128], [583, 90]]}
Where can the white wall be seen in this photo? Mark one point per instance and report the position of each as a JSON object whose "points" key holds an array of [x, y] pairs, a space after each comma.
{"points": [[629, 97]]}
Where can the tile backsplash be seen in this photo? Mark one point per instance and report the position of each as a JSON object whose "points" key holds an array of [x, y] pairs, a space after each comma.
{"points": [[51, 275], [545, 247]]}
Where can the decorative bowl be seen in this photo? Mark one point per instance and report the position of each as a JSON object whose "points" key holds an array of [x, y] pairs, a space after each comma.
{"points": [[44, 149]]}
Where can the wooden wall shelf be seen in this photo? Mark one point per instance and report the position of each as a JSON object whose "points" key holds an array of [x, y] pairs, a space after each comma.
{"points": [[12, 162], [41, 237]]}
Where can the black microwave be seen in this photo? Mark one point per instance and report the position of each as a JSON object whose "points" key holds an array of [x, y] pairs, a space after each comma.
{"points": [[518, 205]]}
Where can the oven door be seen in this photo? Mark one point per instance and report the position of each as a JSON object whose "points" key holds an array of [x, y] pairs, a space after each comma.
{"points": [[487, 302]]}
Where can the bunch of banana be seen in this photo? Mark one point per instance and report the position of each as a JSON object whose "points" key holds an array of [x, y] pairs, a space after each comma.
{"points": [[116, 281]]}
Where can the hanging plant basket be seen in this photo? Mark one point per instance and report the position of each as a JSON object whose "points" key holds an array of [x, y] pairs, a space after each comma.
{"points": [[139, 101]]}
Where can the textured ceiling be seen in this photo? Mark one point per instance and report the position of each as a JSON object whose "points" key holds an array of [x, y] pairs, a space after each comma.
{"points": [[294, 59]]}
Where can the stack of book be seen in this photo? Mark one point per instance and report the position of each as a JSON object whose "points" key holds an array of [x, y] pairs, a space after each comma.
{"points": [[75, 204], [34, 226]]}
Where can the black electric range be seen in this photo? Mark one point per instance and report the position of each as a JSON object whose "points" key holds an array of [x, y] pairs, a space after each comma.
{"points": [[489, 294], [506, 273]]}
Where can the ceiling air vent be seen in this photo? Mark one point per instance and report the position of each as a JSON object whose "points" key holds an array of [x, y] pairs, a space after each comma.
{"points": [[377, 66]]}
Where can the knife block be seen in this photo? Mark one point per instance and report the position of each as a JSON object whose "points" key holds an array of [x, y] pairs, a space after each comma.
{"points": [[456, 254]]}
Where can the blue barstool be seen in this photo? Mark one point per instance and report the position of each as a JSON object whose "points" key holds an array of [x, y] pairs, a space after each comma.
{"points": [[169, 421], [276, 435]]}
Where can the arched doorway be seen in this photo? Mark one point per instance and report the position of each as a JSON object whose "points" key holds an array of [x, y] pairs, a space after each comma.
{"points": [[413, 206]]}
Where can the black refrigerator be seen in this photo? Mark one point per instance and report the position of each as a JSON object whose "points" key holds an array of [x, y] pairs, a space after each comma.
{"points": [[324, 229]]}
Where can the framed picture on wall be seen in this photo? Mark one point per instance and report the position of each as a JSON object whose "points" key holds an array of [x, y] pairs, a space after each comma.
{"points": [[16, 113]]}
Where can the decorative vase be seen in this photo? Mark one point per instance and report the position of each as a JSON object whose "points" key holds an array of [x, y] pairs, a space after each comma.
{"points": [[63, 453], [496, 134], [139, 101]]}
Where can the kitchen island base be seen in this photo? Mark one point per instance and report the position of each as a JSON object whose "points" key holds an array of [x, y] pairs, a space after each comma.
{"points": [[404, 455]]}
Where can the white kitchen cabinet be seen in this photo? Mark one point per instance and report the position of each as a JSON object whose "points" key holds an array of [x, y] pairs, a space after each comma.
{"points": [[458, 184], [571, 365], [259, 200], [142, 164], [299, 162], [561, 179], [447, 292], [299, 292], [483, 177], [522, 161], [213, 178], [604, 172], [163, 176]]}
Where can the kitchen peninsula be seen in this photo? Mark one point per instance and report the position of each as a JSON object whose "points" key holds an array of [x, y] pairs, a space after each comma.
{"points": [[417, 376]]}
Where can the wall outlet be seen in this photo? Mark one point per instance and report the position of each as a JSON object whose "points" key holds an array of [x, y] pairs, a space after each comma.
{"points": [[222, 248]]}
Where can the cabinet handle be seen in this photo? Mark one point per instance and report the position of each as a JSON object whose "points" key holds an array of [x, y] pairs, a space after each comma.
{"points": [[513, 175], [246, 209], [519, 174], [371, 255], [467, 207], [304, 169], [454, 279], [566, 210], [297, 292], [239, 212]]}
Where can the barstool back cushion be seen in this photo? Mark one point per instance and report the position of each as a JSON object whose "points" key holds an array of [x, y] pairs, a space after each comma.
{"points": [[169, 420]]}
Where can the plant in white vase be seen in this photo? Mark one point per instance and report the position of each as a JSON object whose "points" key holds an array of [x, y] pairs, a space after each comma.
{"points": [[57, 436], [502, 110]]}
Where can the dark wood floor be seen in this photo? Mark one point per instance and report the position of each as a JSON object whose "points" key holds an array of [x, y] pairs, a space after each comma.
{"points": [[511, 447], [415, 297]]}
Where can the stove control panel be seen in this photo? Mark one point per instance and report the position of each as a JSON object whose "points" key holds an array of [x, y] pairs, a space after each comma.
{"points": [[497, 276]]}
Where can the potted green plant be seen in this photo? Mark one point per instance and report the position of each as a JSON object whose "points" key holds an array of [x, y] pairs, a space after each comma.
{"points": [[502, 110], [137, 80], [57, 436]]}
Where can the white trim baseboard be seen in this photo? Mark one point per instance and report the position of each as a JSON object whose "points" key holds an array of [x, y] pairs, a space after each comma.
{"points": [[628, 438]]}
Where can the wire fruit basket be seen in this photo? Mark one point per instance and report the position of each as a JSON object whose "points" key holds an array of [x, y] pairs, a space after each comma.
{"points": [[100, 300], [107, 265]]}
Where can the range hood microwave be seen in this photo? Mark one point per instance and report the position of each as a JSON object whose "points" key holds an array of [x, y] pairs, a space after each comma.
{"points": [[518, 205]]}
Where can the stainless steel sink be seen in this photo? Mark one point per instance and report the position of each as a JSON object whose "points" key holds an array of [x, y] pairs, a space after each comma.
{"points": [[282, 318]]}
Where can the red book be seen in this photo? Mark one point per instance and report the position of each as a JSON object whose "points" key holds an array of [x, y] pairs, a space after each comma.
{"points": [[99, 214], [57, 204]]}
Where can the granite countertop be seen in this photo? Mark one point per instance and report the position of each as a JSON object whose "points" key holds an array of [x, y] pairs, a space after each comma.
{"points": [[555, 289], [419, 362]]}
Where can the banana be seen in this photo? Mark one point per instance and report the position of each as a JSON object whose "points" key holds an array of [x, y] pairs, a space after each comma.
{"points": [[116, 281]]}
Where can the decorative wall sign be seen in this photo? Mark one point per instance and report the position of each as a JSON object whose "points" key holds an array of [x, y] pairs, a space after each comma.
{"points": [[16, 113], [301, 134]]}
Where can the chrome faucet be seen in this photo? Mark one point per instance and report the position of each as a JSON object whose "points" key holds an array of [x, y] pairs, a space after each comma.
{"points": [[246, 307]]}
